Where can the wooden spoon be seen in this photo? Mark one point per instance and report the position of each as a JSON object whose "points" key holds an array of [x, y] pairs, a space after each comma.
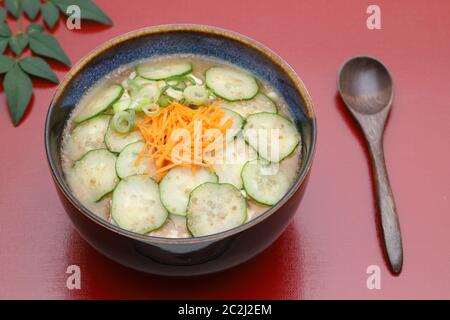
{"points": [[366, 87]]}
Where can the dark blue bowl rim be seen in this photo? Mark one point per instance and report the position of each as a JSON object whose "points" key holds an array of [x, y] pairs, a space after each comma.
{"points": [[59, 181]]}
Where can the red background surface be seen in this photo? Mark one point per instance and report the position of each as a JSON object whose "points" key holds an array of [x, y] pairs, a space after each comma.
{"points": [[333, 239]]}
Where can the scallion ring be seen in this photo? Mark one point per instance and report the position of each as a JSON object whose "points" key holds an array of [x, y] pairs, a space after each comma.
{"points": [[196, 95], [123, 121], [164, 100], [151, 109], [179, 86], [133, 86]]}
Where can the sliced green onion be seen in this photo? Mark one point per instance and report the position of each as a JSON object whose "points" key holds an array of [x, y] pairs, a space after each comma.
{"points": [[176, 94], [164, 88], [179, 86], [164, 100], [179, 78], [194, 80], [123, 121], [133, 86], [132, 75], [151, 109], [147, 94], [191, 79], [121, 105], [196, 95]]}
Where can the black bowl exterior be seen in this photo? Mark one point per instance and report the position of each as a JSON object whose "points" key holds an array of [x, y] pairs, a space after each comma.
{"points": [[193, 256], [184, 259]]}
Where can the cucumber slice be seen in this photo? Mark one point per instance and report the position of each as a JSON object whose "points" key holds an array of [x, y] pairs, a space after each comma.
{"points": [[215, 207], [136, 205], [273, 136], [236, 127], [178, 183], [163, 70], [101, 101], [260, 103], [95, 174], [229, 162], [87, 136], [142, 81], [174, 227], [264, 182], [125, 164], [116, 141], [230, 84]]}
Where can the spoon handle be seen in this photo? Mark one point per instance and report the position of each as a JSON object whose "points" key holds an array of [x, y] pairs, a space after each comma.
{"points": [[388, 213]]}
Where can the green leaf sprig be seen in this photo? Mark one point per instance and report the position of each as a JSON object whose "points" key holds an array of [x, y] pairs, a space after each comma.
{"points": [[17, 68]]}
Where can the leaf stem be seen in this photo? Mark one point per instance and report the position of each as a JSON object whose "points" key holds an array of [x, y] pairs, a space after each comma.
{"points": [[19, 21]]}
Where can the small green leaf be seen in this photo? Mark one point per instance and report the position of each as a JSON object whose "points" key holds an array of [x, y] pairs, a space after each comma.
{"points": [[46, 45], [2, 14], [34, 27], [6, 63], [50, 13], [13, 7], [89, 10], [38, 67], [5, 31], [18, 89], [31, 7], [18, 43], [3, 44]]}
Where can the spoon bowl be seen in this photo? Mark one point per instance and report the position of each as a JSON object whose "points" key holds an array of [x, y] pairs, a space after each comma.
{"points": [[365, 85]]}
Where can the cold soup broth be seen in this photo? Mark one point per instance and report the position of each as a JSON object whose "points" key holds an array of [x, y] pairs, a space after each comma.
{"points": [[180, 146]]}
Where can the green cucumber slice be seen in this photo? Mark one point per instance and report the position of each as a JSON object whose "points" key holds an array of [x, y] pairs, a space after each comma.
{"points": [[87, 136], [125, 164], [163, 70], [215, 207], [264, 182], [101, 101], [178, 183], [236, 127], [260, 103], [116, 141], [174, 227], [136, 205], [273, 136], [95, 174], [230, 84], [228, 163], [142, 81]]}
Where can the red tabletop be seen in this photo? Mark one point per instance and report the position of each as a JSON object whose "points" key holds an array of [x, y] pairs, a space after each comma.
{"points": [[325, 252]]}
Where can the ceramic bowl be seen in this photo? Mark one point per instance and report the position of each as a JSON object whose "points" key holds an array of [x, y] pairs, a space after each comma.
{"points": [[192, 256]]}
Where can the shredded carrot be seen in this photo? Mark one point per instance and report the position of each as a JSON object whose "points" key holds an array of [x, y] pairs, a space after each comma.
{"points": [[160, 140]]}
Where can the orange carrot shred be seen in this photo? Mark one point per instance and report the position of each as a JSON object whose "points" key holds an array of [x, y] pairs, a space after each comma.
{"points": [[157, 131]]}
